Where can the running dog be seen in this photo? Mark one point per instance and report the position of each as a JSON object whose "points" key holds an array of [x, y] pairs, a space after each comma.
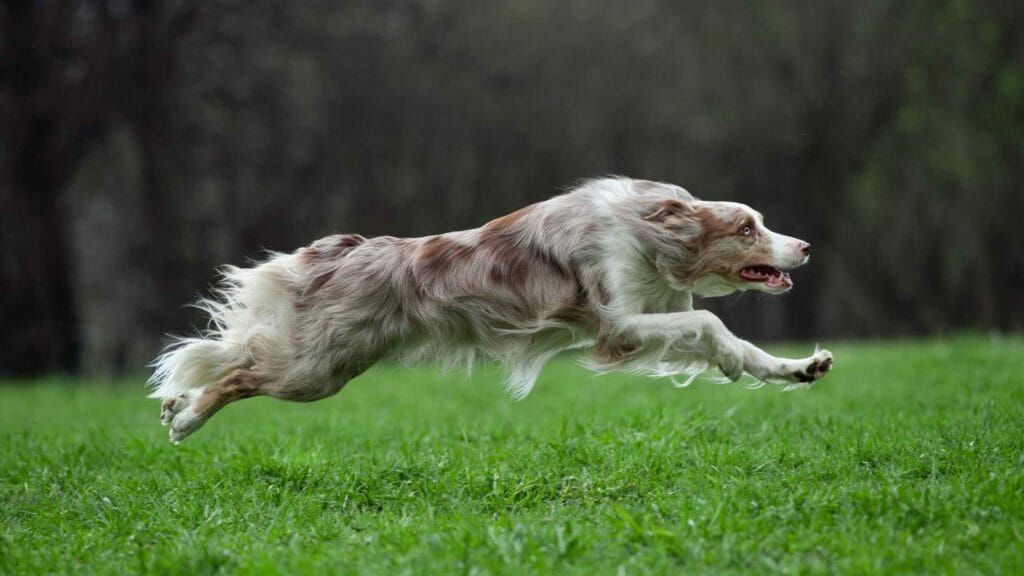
{"points": [[611, 266]]}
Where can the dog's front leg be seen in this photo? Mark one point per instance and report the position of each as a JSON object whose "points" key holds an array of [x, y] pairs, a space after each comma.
{"points": [[768, 368], [696, 332], [702, 333]]}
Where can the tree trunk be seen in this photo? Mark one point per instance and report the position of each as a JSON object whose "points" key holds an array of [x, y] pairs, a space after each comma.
{"points": [[39, 332]]}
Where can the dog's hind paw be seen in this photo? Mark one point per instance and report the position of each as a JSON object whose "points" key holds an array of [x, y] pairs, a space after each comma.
{"points": [[171, 407], [179, 412], [817, 367], [184, 424]]}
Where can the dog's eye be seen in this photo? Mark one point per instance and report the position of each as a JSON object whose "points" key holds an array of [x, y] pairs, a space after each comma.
{"points": [[746, 231]]}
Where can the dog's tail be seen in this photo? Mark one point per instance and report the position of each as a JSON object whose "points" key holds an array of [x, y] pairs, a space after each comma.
{"points": [[191, 363], [248, 316]]}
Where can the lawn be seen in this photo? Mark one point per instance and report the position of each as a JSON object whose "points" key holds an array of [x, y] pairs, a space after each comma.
{"points": [[909, 457]]}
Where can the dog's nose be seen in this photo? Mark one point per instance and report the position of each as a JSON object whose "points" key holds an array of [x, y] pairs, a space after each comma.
{"points": [[805, 248]]}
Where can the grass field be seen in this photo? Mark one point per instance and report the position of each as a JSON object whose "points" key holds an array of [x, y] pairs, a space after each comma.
{"points": [[909, 457]]}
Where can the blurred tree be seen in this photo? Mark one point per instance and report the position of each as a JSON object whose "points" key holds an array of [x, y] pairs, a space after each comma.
{"points": [[65, 69], [937, 194], [886, 133]]}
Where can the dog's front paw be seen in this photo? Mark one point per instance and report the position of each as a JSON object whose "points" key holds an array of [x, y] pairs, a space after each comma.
{"points": [[817, 367]]}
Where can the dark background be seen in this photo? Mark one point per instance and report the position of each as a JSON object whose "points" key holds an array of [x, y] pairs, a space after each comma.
{"points": [[144, 143]]}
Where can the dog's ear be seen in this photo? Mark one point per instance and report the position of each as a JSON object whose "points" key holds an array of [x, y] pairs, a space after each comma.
{"points": [[671, 213]]}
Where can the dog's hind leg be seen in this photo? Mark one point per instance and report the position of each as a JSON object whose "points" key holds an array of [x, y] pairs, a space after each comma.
{"points": [[187, 413]]}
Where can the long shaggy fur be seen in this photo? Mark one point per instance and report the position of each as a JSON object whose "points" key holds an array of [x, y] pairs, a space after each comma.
{"points": [[585, 270]]}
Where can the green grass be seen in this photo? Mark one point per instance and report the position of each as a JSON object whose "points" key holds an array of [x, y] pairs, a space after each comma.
{"points": [[909, 457]]}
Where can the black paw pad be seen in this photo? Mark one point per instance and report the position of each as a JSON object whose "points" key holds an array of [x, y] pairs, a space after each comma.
{"points": [[814, 371], [803, 377]]}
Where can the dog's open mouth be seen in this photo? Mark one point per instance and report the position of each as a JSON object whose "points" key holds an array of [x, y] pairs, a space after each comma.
{"points": [[771, 277]]}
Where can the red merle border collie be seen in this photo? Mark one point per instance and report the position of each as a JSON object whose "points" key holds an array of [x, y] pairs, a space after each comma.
{"points": [[611, 267]]}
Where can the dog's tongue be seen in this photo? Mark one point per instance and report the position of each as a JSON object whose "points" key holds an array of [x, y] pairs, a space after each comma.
{"points": [[781, 279]]}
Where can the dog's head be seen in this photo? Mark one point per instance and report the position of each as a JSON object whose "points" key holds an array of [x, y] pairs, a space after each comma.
{"points": [[715, 248]]}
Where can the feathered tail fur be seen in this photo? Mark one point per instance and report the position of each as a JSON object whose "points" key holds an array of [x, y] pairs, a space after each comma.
{"points": [[244, 312]]}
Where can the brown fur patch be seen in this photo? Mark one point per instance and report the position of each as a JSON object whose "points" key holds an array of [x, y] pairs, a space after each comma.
{"points": [[715, 226], [322, 254], [507, 221], [576, 311], [571, 313], [330, 247], [613, 349], [237, 385], [671, 213], [439, 253], [318, 282], [513, 261], [721, 249]]}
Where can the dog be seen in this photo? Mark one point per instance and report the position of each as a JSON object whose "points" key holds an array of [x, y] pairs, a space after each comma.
{"points": [[611, 266]]}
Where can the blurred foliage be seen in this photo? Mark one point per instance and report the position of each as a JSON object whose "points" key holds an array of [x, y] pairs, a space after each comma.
{"points": [[888, 134]]}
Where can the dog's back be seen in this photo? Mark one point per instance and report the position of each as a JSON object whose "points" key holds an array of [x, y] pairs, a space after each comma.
{"points": [[517, 290]]}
